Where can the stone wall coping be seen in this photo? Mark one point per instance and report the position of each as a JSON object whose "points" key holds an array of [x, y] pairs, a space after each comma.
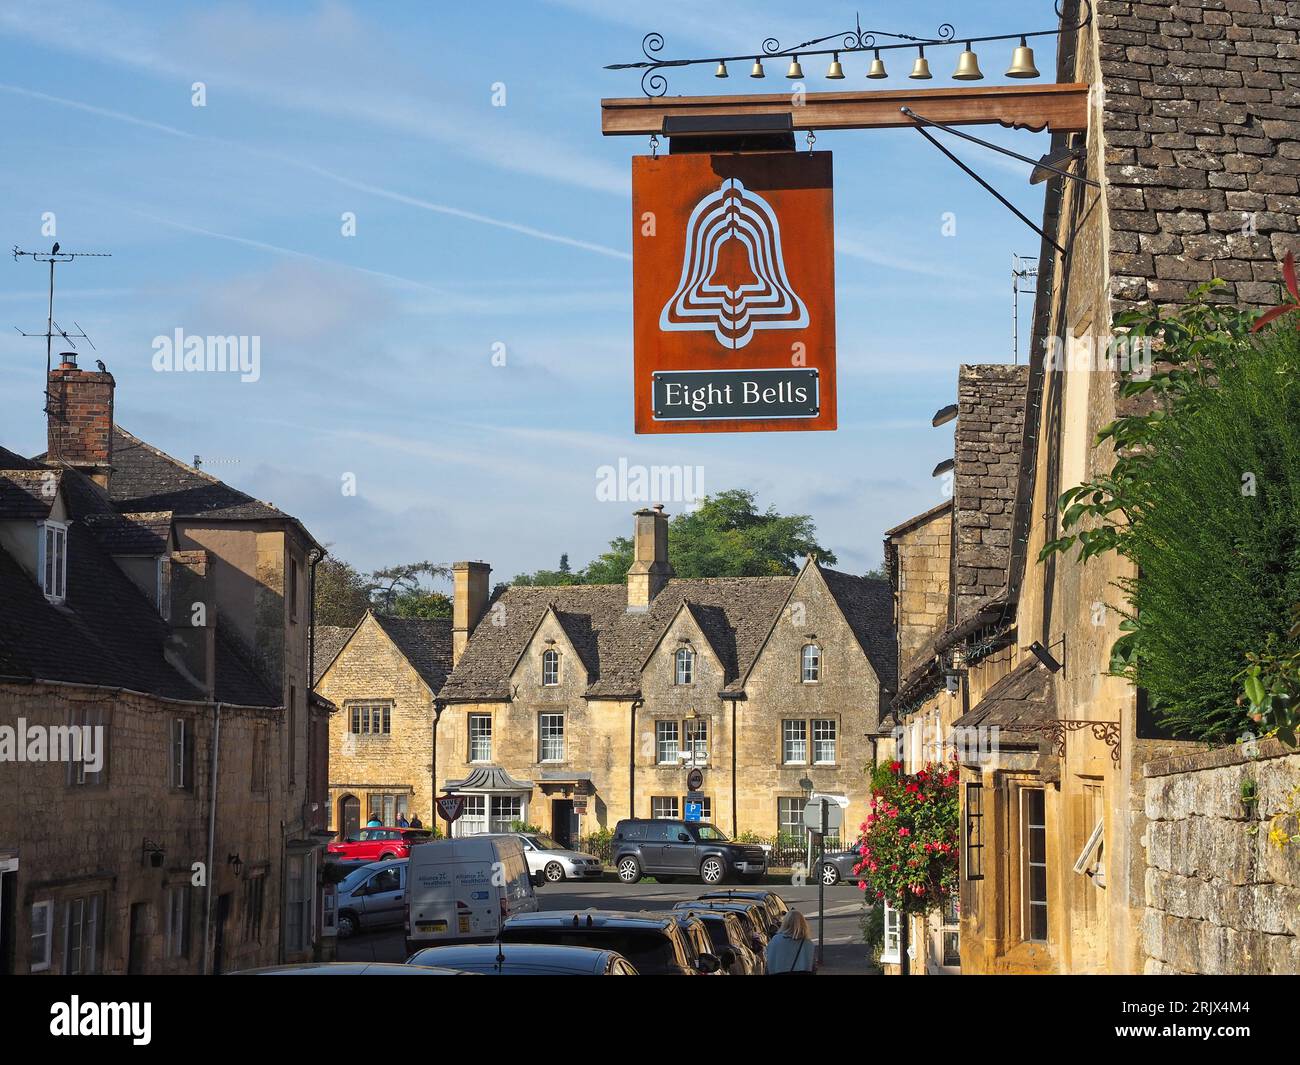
{"points": [[1217, 758]]}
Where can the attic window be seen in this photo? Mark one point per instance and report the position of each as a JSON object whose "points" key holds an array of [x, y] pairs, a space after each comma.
{"points": [[550, 668], [684, 666], [53, 560], [164, 586], [811, 662]]}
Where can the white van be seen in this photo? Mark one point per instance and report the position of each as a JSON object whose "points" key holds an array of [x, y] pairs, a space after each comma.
{"points": [[460, 890]]}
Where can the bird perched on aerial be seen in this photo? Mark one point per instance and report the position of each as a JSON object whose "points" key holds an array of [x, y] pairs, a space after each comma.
{"points": [[99, 365], [55, 249]]}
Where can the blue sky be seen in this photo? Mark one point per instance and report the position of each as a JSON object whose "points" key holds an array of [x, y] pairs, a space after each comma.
{"points": [[476, 226]]}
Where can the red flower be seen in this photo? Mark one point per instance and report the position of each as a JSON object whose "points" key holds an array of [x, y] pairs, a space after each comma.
{"points": [[895, 767], [1292, 305], [904, 831]]}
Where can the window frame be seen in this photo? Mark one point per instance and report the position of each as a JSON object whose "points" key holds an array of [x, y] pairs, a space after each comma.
{"points": [[660, 725], [684, 666], [787, 739], [658, 800], [892, 950], [55, 588], [834, 741], [163, 586], [1026, 830], [551, 668], [95, 903], [973, 816], [370, 717], [693, 736], [795, 827], [42, 964], [176, 941], [180, 755], [816, 668], [470, 723], [542, 736]]}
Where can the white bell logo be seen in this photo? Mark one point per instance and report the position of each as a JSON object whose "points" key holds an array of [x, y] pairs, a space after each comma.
{"points": [[734, 311]]}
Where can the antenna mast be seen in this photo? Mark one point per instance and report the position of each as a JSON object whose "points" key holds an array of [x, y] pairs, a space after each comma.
{"points": [[52, 329], [1024, 279]]}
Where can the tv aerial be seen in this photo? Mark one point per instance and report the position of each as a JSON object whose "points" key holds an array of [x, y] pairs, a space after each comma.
{"points": [[52, 328]]}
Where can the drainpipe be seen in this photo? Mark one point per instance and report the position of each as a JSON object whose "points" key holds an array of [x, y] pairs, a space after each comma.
{"points": [[315, 557], [735, 819], [438, 707], [212, 831], [631, 758]]}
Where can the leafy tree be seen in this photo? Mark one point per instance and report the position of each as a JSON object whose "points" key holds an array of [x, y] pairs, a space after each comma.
{"points": [[564, 563], [342, 594], [403, 583], [726, 536], [418, 603]]}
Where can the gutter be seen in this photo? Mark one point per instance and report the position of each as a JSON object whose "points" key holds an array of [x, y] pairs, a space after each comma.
{"points": [[631, 760], [212, 834]]}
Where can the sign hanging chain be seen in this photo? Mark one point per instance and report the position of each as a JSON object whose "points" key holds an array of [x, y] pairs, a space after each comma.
{"points": [[654, 146], [812, 139]]}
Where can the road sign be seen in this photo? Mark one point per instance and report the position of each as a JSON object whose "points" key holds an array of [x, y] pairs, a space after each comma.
{"points": [[694, 811], [450, 807], [812, 815], [694, 780], [734, 292]]}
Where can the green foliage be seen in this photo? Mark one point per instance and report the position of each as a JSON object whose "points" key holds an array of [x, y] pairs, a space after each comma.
{"points": [[417, 603], [524, 826], [1272, 682], [726, 536], [872, 926], [1204, 499], [342, 594]]}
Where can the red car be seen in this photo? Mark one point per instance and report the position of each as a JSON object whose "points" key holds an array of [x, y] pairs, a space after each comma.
{"points": [[376, 844]]}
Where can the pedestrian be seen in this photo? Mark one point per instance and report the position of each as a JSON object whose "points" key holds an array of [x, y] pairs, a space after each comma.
{"points": [[402, 822], [791, 950], [374, 821], [416, 822]]}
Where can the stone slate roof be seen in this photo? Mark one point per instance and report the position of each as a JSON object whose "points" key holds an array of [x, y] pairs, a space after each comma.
{"points": [[1022, 705], [328, 641], [868, 605], [988, 439], [133, 534], [426, 644], [107, 632], [736, 614], [25, 493]]}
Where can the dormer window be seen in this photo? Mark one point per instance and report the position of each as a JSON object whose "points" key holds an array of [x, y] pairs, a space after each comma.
{"points": [[550, 669], [684, 666], [53, 560], [164, 586], [811, 663]]}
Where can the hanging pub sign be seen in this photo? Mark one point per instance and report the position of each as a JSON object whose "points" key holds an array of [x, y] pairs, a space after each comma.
{"points": [[734, 292]]}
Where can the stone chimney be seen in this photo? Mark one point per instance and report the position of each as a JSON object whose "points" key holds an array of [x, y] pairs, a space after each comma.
{"points": [[650, 569], [468, 603], [80, 418], [192, 646]]}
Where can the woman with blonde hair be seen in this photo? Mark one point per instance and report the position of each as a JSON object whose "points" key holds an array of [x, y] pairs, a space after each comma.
{"points": [[791, 950]]}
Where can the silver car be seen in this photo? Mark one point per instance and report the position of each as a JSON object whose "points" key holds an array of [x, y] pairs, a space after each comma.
{"points": [[372, 896], [838, 865], [549, 861]]}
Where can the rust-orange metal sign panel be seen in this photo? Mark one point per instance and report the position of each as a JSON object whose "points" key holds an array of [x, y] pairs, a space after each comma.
{"points": [[734, 292]]}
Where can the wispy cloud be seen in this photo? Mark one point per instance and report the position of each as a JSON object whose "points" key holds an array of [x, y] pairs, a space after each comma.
{"points": [[229, 50]]}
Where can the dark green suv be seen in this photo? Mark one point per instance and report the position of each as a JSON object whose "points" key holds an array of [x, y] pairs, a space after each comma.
{"points": [[667, 849]]}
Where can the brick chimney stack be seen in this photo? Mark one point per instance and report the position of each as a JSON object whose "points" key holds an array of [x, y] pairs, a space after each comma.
{"points": [[468, 602], [80, 418], [650, 569]]}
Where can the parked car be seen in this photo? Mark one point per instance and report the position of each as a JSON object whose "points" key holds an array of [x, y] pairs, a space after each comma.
{"points": [[776, 907], [350, 968], [666, 849], [839, 865], [549, 861], [731, 941], [462, 889], [372, 896], [653, 943], [378, 844], [697, 935], [525, 959], [753, 914]]}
